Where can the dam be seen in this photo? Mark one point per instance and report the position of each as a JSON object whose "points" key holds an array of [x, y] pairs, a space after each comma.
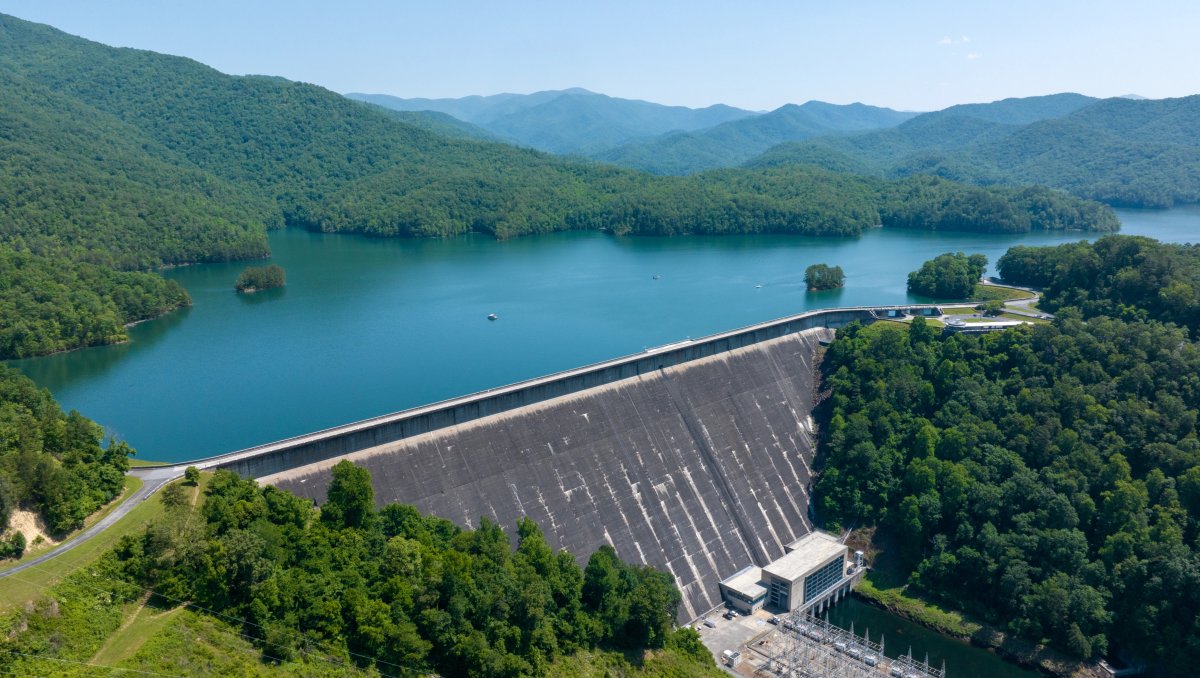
{"points": [[694, 458]]}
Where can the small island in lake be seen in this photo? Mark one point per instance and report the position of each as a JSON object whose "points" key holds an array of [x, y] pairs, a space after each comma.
{"points": [[824, 277], [256, 278]]}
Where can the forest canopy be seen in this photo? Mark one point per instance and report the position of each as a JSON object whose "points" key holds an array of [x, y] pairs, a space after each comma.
{"points": [[1045, 477], [952, 275], [398, 590], [1129, 277], [52, 462], [824, 277], [260, 278]]}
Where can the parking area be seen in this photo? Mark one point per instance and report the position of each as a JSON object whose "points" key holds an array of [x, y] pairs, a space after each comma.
{"points": [[731, 634]]}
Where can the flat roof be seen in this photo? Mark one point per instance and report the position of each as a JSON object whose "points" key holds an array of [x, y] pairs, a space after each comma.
{"points": [[806, 554], [746, 582]]}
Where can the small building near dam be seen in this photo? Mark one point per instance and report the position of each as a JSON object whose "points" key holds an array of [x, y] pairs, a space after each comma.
{"points": [[813, 569]]}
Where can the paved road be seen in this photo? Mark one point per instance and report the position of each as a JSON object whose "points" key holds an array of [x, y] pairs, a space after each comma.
{"points": [[153, 477]]}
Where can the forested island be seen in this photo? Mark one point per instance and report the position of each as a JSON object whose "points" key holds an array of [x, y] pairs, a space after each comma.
{"points": [[255, 278], [824, 277], [130, 160], [1046, 478]]}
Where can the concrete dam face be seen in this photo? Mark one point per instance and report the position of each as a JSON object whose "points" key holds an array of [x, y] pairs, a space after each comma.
{"points": [[699, 468]]}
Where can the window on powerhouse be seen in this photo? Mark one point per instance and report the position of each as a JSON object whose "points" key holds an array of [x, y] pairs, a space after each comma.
{"points": [[818, 582]]}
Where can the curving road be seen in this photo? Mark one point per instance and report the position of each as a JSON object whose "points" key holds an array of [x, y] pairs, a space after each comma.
{"points": [[153, 477]]}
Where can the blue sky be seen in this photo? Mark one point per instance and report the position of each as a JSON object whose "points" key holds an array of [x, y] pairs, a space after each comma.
{"points": [[758, 55]]}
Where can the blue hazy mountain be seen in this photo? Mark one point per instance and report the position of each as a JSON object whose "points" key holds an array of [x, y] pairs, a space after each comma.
{"points": [[1122, 151], [571, 121], [734, 142]]}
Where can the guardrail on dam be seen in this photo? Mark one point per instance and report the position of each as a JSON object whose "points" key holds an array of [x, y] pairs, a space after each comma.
{"points": [[692, 457], [338, 441]]}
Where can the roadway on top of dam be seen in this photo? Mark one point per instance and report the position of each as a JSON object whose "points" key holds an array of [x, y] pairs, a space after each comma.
{"points": [[229, 458], [154, 477]]}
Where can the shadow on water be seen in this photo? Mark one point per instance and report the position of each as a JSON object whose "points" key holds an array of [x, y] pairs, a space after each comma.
{"points": [[823, 298], [900, 635], [261, 296], [85, 364]]}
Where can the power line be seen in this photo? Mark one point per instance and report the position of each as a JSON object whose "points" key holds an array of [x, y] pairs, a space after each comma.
{"points": [[132, 599], [99, 666], [294, 634]]}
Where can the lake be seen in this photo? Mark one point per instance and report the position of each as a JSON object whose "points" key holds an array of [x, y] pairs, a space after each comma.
{"points": [[370, 326]]}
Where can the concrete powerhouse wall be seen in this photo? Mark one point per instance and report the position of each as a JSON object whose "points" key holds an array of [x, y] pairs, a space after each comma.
{"points": [[700, 466]]}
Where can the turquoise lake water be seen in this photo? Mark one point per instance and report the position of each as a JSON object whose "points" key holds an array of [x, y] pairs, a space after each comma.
{"points": [[370, 326]]}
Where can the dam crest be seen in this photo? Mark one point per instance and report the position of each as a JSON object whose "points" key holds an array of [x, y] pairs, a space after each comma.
{"points": [[694, 458]]}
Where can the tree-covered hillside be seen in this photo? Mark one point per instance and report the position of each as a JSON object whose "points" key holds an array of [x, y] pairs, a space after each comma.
{"points": [[1046, 478], [573, 121], [733, 143], [1123, 152], [1128, 277], [131, 160], [394, 590], [52, 462]]}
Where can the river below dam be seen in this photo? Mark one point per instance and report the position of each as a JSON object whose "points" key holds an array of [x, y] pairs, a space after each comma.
{"points": [[901, 636], [369, 326]]}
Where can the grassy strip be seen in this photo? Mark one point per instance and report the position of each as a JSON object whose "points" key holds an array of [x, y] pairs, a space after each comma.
{"points": [[966, 310], [14, 593], [141, 463], [134, 632], [606, 663], [998, 293], [895, 600], [1028, 319], [131, 485]]}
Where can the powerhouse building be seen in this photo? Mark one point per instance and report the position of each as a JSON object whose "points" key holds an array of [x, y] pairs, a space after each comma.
{"points": [[812, 567]]}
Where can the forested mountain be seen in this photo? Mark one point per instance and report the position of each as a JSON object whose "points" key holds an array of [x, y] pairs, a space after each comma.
{"points": [[131, 159], [443, 124], [1046, 478], [1018, 110], [1127, 277], [733, 143], [1123, 152], [571, 121]]}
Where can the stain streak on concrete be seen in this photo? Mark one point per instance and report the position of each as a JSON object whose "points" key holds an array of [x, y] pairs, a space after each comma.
{"points": [[698, 469]]}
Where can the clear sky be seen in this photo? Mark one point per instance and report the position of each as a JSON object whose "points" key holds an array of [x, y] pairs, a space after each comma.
{"points": [[759, 55]]}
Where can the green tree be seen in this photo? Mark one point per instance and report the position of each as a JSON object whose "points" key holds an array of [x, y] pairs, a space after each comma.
{"points": [[948, 276], [350, 499], [824, 277]]}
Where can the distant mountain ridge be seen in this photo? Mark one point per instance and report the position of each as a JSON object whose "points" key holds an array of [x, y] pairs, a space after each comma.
{"points": [[732, 143], [114, 160], [571, 121], [1121, 151], [642, 135]]}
